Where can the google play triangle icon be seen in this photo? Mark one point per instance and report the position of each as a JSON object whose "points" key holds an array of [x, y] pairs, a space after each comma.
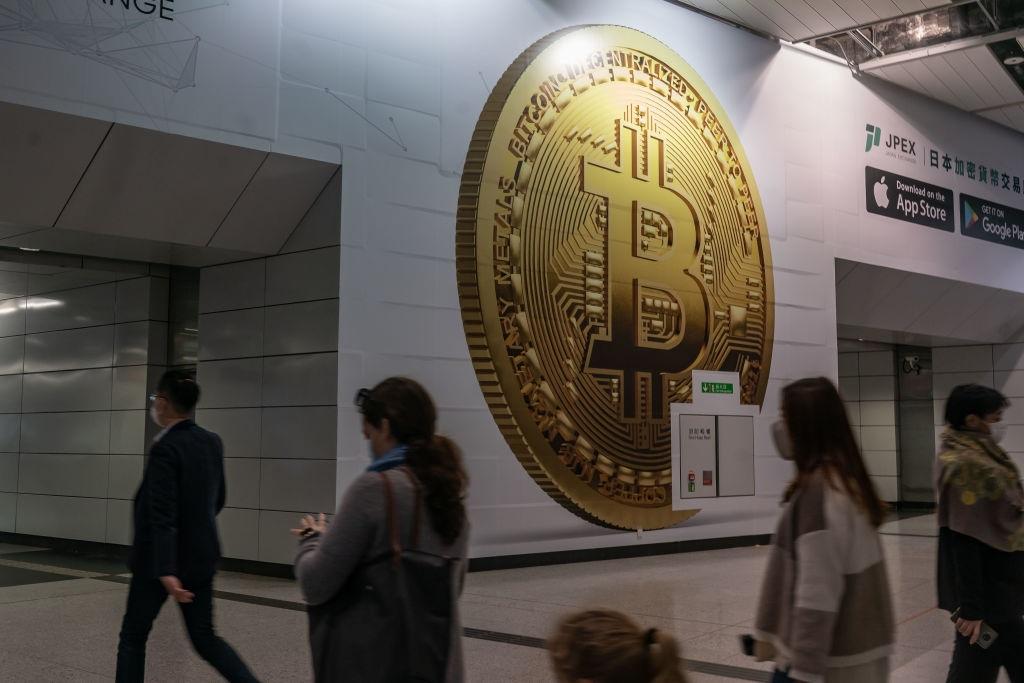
{"points": [[971, 217]]}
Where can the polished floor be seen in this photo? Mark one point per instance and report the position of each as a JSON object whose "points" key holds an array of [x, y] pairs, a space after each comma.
{"points": [[59, 614]]}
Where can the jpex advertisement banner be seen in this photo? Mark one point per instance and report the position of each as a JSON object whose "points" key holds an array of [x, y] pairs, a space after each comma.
{"points": [[901, 197]]}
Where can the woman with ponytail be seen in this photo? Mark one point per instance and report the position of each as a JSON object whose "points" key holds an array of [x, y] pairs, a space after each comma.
{"points": [[602, 646], [383, 578]]}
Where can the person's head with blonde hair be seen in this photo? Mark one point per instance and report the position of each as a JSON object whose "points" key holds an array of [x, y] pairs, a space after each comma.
{"points": [[603, 646]]}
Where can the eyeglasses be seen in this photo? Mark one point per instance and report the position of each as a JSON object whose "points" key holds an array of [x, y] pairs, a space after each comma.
{"points": [[154, 397]]}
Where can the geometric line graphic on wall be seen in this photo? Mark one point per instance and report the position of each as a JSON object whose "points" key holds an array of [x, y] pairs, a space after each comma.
{"points": [[610, 241], [161, 52]]}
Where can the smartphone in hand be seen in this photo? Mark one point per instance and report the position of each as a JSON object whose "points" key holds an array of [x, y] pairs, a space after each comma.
{"points": [[987, 636]]}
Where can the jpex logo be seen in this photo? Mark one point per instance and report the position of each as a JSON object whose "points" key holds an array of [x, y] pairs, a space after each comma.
{"points": [[874, 137], [902, 148]]}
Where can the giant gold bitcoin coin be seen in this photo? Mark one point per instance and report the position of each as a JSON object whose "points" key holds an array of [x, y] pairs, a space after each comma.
{"points": [[610, 241]]}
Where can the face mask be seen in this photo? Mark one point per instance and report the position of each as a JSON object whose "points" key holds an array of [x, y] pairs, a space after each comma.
{"points": [[783, 444], [997, 430]]}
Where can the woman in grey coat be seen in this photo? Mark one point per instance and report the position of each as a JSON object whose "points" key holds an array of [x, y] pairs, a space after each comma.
{"points": [[409, 499]]}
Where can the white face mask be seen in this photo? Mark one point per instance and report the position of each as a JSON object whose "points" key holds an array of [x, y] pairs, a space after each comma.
{"points": [[997, 430], [783, 444]]}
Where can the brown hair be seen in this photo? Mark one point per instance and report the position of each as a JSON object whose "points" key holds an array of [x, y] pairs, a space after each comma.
{"points": [[823, 441], [434, 459], [609, 647]]}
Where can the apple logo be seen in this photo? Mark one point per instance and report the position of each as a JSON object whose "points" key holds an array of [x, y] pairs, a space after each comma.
{"points": [[882, 194]]}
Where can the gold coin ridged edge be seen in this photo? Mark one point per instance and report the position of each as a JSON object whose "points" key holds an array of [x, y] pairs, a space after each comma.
{"points": [[467, 274]]}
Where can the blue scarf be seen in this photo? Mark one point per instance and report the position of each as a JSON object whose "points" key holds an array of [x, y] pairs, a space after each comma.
{"points": [[390, 460]]}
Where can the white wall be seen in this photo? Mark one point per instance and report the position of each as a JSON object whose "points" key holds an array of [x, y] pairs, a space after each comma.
{"points": [[407, 79], [867, 382]]}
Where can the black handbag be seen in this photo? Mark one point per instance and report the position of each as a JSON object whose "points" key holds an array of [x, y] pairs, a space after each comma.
{"points": [[391, 622]]}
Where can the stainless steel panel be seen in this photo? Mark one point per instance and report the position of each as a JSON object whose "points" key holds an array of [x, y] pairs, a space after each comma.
{"points": [[73, 308], [735, 455], [272, 204], [304, 276], [297, 485], [45, 153], [321, 227], [239, 534], [157, 186], [130, 388], [300, 433], [10, 393], [68, 350], [158, 343], [231, 383], [232, 334], [243, 482], [232, 286], [238, 428], [10, 433], [13, 281], [64, 475], [119, 522], [53, 392], [12, 317], [307, 380], [301, 328], [84, 519], [9, 472], [12, 355], [133, 300], [159, 299], [128, 432], [64, 277], [274, 542], [65, 432], [125, 476], [131, 344], [8, 511]]}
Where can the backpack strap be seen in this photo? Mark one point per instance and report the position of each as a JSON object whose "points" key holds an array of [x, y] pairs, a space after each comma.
{"points": [[396, 542]]}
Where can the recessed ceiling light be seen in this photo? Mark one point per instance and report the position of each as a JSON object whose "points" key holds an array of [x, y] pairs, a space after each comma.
{"points": [[1013, 61]]}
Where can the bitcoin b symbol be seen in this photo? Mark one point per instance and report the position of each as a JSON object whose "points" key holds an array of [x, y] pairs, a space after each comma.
{"points": [[659, 311]]}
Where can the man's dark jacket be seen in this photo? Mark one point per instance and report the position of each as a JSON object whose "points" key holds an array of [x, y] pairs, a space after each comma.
{"points": [[177, 503]]}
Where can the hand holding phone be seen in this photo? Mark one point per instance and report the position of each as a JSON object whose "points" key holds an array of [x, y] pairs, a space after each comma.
{"points": [[980, 633]]}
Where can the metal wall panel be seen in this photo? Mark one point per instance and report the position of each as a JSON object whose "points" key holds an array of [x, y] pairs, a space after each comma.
{"points": [[64, 474], [233, 286], [304, 276], [297, 485], [10, 433], [231, 334], [84, 519], [10, 393], [321, 226], [12, 355], [238, 428], [69, 390], [231, 383], [132, 342], [119, 522], [275, 543], [125, 476], [69, 309], [309, 327], [308, 380], [130, 387], [133, 300], [9, 472], [243, 482], [65, 433], [300, 433], [8, 511], [239, 533], [92, 347], [128, 432], [12, 317]]}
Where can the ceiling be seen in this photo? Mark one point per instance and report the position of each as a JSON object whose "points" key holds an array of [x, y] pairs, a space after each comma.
{"points": [[950, 50], [84, 186], [894, 306]]}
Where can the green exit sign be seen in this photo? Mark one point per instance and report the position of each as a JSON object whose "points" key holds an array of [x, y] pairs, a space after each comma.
{"points": [[716, 388]]}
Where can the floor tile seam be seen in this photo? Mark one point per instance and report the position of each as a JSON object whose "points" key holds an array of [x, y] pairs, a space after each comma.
{"points": [[7, 603], [48, 569], [917, 616]]}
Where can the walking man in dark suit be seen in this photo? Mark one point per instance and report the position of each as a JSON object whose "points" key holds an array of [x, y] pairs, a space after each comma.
{"points": [[176, 547]]}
